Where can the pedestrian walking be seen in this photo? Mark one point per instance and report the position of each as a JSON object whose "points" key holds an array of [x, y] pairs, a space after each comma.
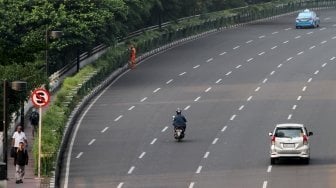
{"points": [[20, 160], [19, 136], [34, 121], [132, 56]]}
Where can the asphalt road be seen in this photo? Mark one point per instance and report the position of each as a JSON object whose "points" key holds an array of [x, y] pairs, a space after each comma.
{"points": [[234, 86]]}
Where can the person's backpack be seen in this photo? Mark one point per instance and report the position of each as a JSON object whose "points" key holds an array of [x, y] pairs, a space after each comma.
{"points": [[34, 118]]}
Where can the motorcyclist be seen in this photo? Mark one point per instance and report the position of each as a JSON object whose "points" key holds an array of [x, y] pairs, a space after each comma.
{"points": [[180, 121]]}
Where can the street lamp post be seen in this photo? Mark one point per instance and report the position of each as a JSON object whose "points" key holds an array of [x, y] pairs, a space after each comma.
{"points": [[17, 86], [53, 35]]}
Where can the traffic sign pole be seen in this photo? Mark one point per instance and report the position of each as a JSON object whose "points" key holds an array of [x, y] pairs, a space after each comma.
{"points": [[40, 141]]}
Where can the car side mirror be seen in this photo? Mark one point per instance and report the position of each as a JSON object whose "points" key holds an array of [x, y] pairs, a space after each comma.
{"points": [[310, 134], [270, 134]]}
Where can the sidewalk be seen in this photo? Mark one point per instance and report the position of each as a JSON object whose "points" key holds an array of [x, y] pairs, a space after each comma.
{"points": [[30, 180]]}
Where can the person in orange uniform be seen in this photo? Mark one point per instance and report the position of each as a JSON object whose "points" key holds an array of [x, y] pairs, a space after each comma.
{"points": [[132, 56]]}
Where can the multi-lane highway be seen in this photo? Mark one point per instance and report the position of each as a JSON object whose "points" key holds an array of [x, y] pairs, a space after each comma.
{"points": [[234, 86]]}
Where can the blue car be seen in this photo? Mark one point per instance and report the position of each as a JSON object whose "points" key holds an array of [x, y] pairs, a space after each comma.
{"points": [[307, 18]]}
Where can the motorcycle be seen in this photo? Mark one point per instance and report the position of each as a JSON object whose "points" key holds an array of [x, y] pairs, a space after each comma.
{"points": [[178, 134]]}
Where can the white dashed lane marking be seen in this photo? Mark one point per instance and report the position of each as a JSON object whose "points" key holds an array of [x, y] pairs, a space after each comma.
{"points": [[334, 37], [249, 98], [312, 47], [142, 100], [228, 73], [286, 42], [257, 89], [324, 64], [309, 80], [206, 155], [297, 37], [241, 107], [323, 42], [249, 60], [142, 155], [191, 185], [79, 155], [294, 107], [197, 99], [331, 59], [316, 72], [105, 129], [275, 32], [209, 60], [219, 80], [156, 90], [269, 169], [309, 33], [223, 53], [299, 98], [264, 184], [323, 28], [164, 129], [263, 36], [207, 90], [131, 170], [195, 67], [118, 118], [131, 108], [289, 58], [300, 53], [233, 117], [289, 116], [153, 141], [120, 185], [328, 18], [280, 65], [91, 142], [199, 169], [272, 72], [183, 73], [288, 29], [262, 53], [215, 141], [187, 107], [235, 48], [274, 47], [169, 81], [237, 67], [304, 88], [247, 42], [265, 80], [224, 128]]}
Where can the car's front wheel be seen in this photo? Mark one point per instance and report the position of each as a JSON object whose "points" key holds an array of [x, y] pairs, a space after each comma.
{"points": [[306, 161], [273, 161]]}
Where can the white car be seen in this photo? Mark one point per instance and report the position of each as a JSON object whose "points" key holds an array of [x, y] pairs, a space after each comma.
{"points": [[290, 141]]}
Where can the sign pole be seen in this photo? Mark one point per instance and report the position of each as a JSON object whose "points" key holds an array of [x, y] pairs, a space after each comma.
{"points": [[39, 142]]}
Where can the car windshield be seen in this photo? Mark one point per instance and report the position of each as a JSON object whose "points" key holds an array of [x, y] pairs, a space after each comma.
{"points": [[304, 15], [289, 132]]}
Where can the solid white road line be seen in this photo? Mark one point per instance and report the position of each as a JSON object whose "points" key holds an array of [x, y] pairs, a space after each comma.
{"points": [[131, 170], [299, 98], [331, 59], [227, 74], [215, 141], [323, 42], [79, 155], [249, 98], [169, 81], [294, 107], [207, 90], [280, 65], [195, 67], [142, 155], [257, 89], [297, 37], [272, 72], [324, 64], [199, 169], [91, 142], [206, 155], [249, 60], [154, 140], [304, 88], [209, 60], [164, 129], [300, 53], [310, 33], [233, 117], [197, 99], [131, 108], [142, 100], [275, 32], [265, 80], [236, 47], [237, 67], [247, 42], [191, 185], [312, 47], [289, 58], [219, 80], [316, 72], [274, 47], [262, 53], [224, 128], [104, 129], [264, 184], [183, 73], [309, 80], [269, 169], [120, 185], [286, 42], [118, 118], [241, 107], [223, 53], [156, 90], [187, 107]]}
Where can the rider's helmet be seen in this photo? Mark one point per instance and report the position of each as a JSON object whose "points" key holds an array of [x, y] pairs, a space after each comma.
{"points": [[178, 111]]}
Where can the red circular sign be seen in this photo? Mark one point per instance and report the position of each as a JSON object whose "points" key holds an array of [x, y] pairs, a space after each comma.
{"points": [[40, 97]]}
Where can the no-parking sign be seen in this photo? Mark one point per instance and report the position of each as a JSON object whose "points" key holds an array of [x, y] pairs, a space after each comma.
{"points": [[40, 97]]}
